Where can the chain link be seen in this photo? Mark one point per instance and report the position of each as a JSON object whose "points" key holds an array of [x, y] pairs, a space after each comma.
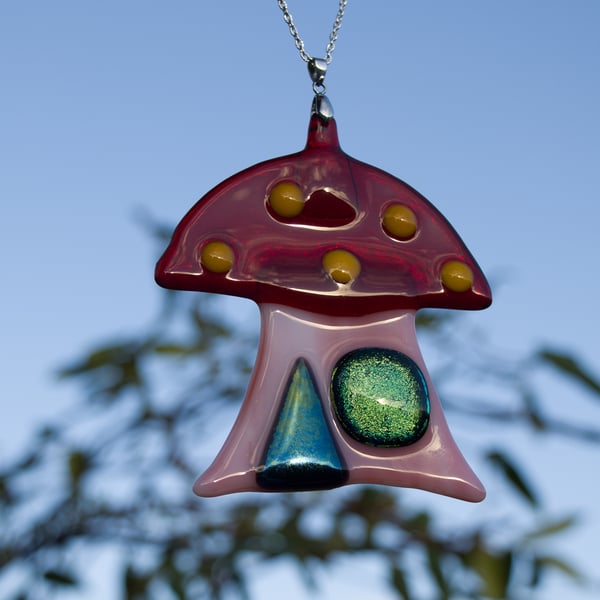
{"points": [[287, 17]]}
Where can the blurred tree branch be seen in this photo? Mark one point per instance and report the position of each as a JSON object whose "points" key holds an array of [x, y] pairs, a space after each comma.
{"points": [[117, 470]]}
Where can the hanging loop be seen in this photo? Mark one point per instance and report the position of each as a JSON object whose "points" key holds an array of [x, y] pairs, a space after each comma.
{"points": [[319, 89], [317, 69]]}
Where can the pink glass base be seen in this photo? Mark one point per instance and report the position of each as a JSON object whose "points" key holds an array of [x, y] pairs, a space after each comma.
{"points": [[433, 463]]}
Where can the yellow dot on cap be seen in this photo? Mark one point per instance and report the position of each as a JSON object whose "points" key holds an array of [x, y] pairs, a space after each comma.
{"points": [[457, 276], [341, 265], [217, 257], [286, 199], [399, 221]]}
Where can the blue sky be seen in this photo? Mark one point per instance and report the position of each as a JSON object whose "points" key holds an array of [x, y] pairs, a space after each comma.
{"points": [[490, 109]]}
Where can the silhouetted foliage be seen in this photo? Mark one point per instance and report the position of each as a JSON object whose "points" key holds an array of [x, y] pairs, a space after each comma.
{"points": [[117, 472]]}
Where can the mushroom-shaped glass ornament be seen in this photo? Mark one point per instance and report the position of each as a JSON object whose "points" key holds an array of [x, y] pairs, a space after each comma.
{"points": [[339, 255]]}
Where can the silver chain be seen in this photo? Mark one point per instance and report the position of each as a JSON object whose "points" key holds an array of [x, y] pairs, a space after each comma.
{"points": [[287, 17]]}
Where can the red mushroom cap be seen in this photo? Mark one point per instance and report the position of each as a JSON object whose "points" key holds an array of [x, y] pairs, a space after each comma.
{"points": [[277, 256]]}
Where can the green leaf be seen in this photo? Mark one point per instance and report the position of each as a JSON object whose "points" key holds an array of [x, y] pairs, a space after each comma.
{"points": [[432, 319], [533, 411], [174, 349], [136, 584], [570, 366], [108, 356], [400, 584], [374, 505], [78, 463], [419, 523], [6, 494], [60, 578], [551, 528], [209, 327], [513, 475], [435, 566], [551, 562], [494, 571]]}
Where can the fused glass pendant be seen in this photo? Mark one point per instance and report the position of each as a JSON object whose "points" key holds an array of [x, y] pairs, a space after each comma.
{"points": [[339, 256]]}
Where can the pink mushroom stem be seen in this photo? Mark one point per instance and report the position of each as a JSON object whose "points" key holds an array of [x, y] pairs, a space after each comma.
{"points": [[433, 462]]}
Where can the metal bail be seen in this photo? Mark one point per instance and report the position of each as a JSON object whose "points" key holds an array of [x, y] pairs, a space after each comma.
{"points": [[322, 107], [317, 69]]}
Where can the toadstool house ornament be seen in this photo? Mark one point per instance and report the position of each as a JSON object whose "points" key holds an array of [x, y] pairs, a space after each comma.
{"points": [[339, 256]]}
